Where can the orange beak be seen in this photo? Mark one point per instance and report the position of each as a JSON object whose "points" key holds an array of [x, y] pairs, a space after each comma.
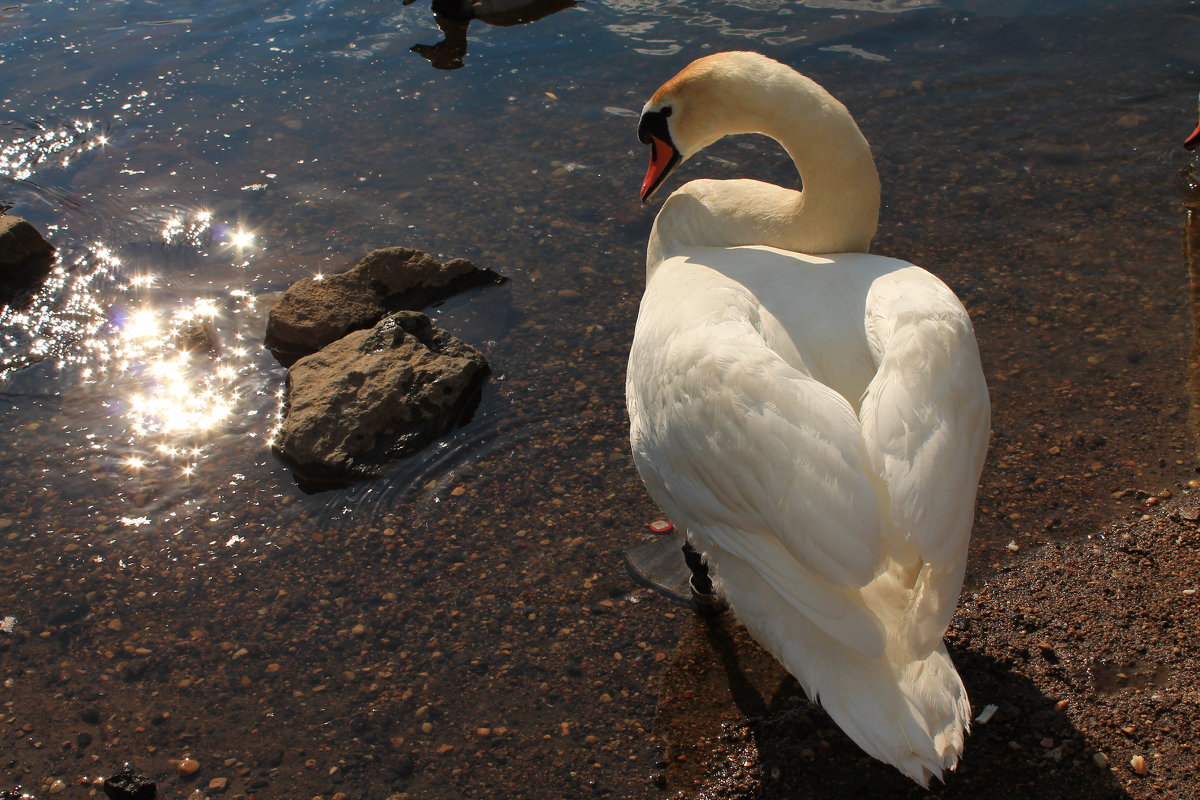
{"points": [[663, 158], [1193, 141]]}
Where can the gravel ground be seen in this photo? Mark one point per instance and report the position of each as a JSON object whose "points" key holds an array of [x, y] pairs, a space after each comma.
{"points": [[1085, 655]]}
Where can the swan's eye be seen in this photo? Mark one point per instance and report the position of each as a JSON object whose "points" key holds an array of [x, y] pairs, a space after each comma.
{"points": [[666, 111]]}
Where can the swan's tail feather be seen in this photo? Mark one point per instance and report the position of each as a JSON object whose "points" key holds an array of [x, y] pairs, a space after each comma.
{"points": [[910, 711]]}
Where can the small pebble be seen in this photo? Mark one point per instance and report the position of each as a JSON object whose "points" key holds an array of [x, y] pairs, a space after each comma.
{"points": [[986, 714], [218, 784], [188, 766], [1100, 760], [1139, 765]]}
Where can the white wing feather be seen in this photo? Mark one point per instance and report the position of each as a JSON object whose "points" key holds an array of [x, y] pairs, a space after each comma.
{"points": [[925, 425]]}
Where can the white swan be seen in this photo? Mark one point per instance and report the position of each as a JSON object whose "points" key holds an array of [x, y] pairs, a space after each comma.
{"points": [[817, 423]]}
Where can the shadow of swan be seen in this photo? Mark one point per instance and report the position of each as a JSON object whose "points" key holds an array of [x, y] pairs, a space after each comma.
{"points": [[734, 724]]}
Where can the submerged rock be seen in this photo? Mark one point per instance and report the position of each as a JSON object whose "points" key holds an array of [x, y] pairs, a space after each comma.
{"points": [[199, 337], [375, 395], [25, 257], [313, 313]]}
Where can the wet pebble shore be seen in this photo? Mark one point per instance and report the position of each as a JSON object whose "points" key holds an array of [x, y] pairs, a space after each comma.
{"points": [[1080, 662]]}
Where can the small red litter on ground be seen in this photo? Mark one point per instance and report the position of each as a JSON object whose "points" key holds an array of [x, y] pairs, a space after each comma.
{"points": [[661, 526]]}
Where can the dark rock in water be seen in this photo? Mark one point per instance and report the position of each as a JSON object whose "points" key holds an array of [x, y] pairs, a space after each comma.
{"points": [[25, 257], [376, 395], [67, 608], [199, 337], [313, 313], [128, 785]]}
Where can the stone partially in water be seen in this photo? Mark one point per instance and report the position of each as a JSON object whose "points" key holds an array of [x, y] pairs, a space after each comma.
{"points": [[25, 257], [375, 395], [128, 785], [313, 313]]}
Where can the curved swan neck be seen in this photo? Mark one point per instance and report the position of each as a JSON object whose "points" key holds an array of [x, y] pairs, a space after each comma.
{"points": [[838, 209]]}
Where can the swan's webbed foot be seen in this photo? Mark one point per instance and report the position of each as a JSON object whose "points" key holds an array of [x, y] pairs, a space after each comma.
{"points": [[658, 566]]}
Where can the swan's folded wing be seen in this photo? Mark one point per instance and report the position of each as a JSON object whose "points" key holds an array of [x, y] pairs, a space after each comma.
{"points": [[925, 423], [733, 440]]}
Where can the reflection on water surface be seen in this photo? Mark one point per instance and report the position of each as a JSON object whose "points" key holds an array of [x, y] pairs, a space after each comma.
{"points": [[453, 18], [170, 591]]}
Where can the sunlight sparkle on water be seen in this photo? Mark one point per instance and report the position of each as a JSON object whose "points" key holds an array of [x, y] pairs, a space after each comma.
{"points": [[191, 228], [141, 325], [157, 361], [241, 239], [176, 389], [20, 158]]}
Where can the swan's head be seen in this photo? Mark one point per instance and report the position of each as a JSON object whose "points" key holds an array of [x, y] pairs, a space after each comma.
{"points": [[671, 118], [714, 96], [654, 129]]}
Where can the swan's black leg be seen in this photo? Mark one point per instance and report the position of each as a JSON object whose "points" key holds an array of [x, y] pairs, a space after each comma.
{"points": [[702, 588]]}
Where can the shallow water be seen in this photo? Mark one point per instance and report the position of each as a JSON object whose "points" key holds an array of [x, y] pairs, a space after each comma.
{"points": [[191, 159]]}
